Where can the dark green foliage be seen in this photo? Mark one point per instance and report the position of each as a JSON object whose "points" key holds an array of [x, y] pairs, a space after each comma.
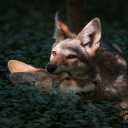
{"points": [[23, 106], [26, 29]]}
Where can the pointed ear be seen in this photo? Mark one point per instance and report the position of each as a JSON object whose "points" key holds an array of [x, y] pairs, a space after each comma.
{"points": [[90, 36], [61, 30], [17, 66]]}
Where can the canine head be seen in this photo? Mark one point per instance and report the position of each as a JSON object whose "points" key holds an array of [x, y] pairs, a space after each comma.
{"points": [[23, 72], [71, 53]]}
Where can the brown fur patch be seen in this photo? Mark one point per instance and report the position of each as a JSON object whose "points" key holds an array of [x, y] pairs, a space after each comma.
{"points": [[44, 79], [95, 61], [61, 30]]}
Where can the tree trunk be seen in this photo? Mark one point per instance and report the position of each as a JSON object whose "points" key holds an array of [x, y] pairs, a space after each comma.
{"points": [[75, 15]]}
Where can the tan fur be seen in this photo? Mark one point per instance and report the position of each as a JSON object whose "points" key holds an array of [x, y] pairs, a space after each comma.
{"points": [[91, 33], [88, 40], [61, 30], [44, 79], [17, 66], [85, 57]]}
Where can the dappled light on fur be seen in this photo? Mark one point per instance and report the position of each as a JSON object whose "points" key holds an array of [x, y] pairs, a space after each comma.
{"points": [[40, 78], [94, 60], [88, 88], [90, 36]]}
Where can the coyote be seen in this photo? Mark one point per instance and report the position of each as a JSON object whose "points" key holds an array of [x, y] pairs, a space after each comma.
{"points": [[83, 56], [24, 72]]}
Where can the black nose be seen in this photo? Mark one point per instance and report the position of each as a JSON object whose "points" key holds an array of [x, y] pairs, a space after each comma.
{"points": [[94, 82], [51, 68]]}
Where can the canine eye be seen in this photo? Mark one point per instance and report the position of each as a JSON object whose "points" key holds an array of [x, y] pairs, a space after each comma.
{"points": [[53, 53], [71, 57], [67, 78]]}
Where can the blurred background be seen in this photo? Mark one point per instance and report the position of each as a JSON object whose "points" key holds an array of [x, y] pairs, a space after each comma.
{"points": [[27, 26]]}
